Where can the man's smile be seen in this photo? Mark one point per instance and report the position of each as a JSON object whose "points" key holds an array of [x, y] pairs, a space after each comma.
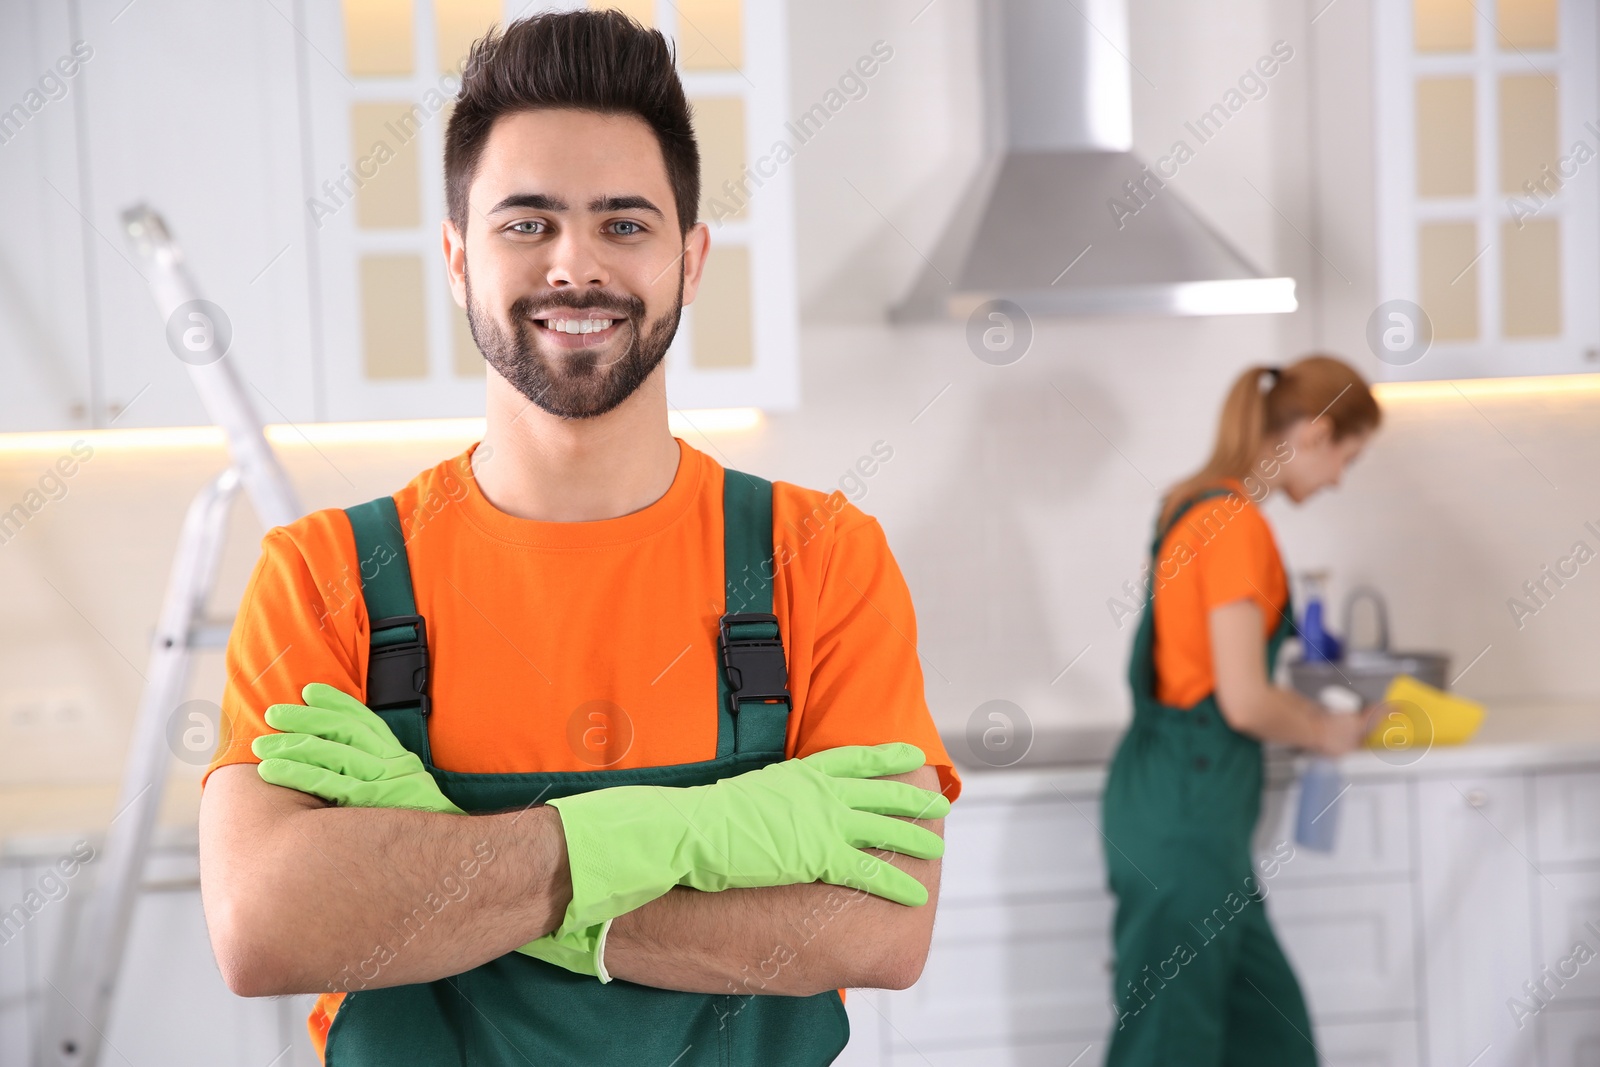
{"points": [[569, 328]]}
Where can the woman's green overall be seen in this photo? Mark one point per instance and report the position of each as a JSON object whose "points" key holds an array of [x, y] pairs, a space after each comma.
{"points": [[517, 1011], [1200, 979]]}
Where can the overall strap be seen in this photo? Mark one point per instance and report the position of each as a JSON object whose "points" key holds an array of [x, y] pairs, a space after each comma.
{"points": [[753, 700], [397, 666], [1141, 664], [1177, 516]]}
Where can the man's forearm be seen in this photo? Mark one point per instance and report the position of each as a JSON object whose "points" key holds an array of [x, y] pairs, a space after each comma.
{"points": [[306, 898], [793, 940]]}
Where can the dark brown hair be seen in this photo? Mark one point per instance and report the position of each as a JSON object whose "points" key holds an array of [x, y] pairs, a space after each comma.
{"points": [[587, 60], [1268, 400]]}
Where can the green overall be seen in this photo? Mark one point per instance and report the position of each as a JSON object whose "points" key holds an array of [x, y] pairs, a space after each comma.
{"points": [[517, 1010], [1200, 979]]}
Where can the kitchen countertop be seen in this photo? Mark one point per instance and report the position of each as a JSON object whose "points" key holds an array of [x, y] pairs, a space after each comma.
{"points": [[1515, 736], [46, 820]]}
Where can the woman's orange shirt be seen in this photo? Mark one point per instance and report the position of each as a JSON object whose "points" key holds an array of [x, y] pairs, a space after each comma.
{"points": [[573, 646], [1221, 551]]}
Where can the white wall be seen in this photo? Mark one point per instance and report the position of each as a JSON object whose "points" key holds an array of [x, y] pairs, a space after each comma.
{"points": [[1021, 499]]}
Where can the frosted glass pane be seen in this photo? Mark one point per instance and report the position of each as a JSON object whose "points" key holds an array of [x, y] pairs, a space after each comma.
{"points": [[722, 330], [1446, 137], [1526, 23], [724, 189], [393, 330], [640, 11], [377, 37], [457, 23], [1528, 117], [1443, 25], [465, 358], [710, 35], [1449, 285], [1530, 278], [383, 158]]}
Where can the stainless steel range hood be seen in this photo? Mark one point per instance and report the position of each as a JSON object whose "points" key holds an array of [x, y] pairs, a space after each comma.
{"points": [[1040, 225]]}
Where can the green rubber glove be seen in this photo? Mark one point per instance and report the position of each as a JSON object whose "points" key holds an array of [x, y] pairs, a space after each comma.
{"points": [[801, 820], [336, 748]]}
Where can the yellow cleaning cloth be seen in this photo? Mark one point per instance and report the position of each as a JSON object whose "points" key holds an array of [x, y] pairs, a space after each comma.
{"points": [[1417, 714]]}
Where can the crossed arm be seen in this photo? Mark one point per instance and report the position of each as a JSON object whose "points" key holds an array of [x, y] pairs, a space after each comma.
{"points": [[303, 897]]}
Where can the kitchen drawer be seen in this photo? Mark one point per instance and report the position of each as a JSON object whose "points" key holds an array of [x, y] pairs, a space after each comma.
{"points": [[1001, 973], [1369, 1044], [1373, 839], [1568, 901], [1089, 1051], [1017, 848], [1568, 823], [1350, 945]]}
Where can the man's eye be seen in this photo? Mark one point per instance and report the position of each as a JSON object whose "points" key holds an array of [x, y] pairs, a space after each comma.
{"points": [[626, 228], [528, 226]]}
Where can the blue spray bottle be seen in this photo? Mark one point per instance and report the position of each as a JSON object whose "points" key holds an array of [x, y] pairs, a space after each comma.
{"points": [[1320, 645]]}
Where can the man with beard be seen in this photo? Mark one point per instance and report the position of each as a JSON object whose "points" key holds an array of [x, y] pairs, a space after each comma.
{"points": [[579, 748]]}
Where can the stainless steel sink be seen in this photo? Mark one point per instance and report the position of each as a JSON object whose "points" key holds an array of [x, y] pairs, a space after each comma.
{"points": [[1369, 670]]}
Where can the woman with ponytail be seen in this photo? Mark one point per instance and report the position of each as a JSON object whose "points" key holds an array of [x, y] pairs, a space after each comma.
{"points": [[1200, 979]]}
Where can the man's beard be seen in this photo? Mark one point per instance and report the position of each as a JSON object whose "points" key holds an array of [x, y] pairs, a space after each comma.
{"points": [[576, 384]]}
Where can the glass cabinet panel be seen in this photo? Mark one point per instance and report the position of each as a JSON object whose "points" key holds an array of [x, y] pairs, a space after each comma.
{"points": [[1444, 25], [377, 38], [1530, 278], [1448, 263], [1446, 137]]}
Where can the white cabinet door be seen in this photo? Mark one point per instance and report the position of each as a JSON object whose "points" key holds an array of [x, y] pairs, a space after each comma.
{"points": [[1351, 946], [44, 347], [999, 974], [16, 1009], [1571, 1038], [1018, 849], [1475, 903], [194, 109], [1569, 816], [171, 1005], [1569, 940], [1378, 1044], [1373, 837], [1069, 1053]]}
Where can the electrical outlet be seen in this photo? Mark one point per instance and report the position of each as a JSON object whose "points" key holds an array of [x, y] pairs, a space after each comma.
{"points": [[45, 711]]}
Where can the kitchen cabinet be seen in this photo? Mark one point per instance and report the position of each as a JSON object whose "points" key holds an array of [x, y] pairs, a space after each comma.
{"points": [[1476, 906], [1377, 1044], [171, 1005], [1571, 1038], [1487, 194], [192, 110], [296, 154], [1452, 883], [207, 135], [44, 335], [1350, 944], [393, 342]]}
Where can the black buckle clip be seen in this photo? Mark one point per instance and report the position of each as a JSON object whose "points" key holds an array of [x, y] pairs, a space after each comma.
{"points": [[755, 666], [397, 674]]}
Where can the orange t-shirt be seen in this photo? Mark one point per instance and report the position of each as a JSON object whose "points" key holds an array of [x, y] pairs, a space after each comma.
{"points": [[534, 627], [1222, 550]]}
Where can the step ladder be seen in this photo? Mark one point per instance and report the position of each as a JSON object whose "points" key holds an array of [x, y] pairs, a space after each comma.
{"points": [[81, 988]]}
